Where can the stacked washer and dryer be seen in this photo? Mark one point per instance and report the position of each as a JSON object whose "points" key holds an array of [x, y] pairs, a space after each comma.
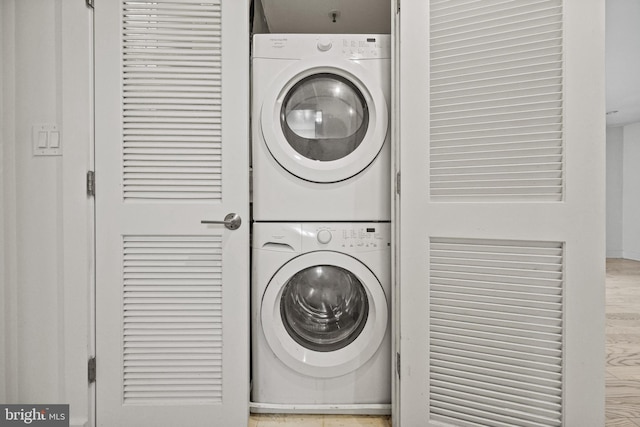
{"points": [[321, 279]]}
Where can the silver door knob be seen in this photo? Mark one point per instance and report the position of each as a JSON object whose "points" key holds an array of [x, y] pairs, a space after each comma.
{"points": [[232, 221]]}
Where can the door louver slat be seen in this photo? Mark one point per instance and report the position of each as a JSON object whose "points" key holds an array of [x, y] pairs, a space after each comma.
{"points": [[172, 349], [172, 87], [496, 332], [496, 108]]}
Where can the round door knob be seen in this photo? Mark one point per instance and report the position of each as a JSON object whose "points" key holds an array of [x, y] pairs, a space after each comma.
{"points": [[324, 44], [324, 236]]}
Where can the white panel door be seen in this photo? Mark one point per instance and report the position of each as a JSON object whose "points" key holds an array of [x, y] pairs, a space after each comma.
{"points": [[172, 106], [501, 213]]}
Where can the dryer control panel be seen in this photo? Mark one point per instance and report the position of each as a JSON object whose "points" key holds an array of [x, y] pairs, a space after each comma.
{"points": [[346, 237], [365, 48], [298, 46]]}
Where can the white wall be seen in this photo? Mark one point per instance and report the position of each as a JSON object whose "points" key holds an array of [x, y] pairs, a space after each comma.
{"points": [[8, 203], [623, 192], [614, 192], [622, 61], [46, 231], [631, 192], [3, 296]]}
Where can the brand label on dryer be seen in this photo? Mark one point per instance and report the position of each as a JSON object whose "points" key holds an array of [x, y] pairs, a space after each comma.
{"points": [[278, 43]]}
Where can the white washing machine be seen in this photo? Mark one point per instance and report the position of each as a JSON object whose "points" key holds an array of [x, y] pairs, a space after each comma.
{"points": [[320, 317], [320, 129]]}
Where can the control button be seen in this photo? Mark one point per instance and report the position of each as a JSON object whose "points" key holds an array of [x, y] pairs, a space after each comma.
{"points": [[54, 142], [324, 236], [324, 44], [42, 139]]}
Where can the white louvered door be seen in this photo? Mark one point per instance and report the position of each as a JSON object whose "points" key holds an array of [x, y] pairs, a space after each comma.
{"points": [[172, 94], [501, 213]]}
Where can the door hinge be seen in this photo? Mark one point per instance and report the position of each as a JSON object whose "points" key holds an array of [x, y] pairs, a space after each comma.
{"points": [[91, 183], [398, 183], [89, 3], [398, 364], [92, 370], [398, 6]]}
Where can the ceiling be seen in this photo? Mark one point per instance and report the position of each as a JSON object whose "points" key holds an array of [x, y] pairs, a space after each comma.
{"points": [[622, 52], [374, 16], [317, 16]]}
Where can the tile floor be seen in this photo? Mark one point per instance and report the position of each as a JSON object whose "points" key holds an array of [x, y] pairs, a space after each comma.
{"points": [[623, 361]]}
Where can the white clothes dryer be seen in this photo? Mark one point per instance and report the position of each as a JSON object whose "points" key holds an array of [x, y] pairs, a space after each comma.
{"points": [[320, 318], [320, 129]]}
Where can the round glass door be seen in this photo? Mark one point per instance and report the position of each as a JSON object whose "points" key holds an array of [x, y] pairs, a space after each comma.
{"points": [[324, 122], [324, 314], [324, 117], [324, 307]]}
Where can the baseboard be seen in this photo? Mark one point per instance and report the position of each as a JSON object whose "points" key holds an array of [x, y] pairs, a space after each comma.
{"points": [[635, 256]]}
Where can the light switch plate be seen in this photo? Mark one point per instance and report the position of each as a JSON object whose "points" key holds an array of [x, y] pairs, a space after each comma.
{"points": [[46, 139]]}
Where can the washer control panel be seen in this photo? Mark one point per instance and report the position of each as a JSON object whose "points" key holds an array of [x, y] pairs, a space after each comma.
{"points": [[346, 237]]}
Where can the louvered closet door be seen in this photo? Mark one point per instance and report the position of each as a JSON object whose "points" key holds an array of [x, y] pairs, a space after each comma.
{"points": [[501, 255], [171, 138]]}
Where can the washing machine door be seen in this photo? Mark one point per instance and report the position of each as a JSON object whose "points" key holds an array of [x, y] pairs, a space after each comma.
{"points": [[324, 123], [324, 314]]}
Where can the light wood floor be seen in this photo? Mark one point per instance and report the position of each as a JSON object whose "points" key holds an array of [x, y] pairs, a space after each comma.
{"points": [[623, 343], [318, 421], [623, 360]]}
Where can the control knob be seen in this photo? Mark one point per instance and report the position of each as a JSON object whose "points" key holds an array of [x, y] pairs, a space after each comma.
{"points": [[324, 236], [324, 44]]}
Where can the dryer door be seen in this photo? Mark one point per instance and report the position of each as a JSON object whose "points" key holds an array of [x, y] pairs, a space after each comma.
{"points": [[325, 123], [324, 314]]}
